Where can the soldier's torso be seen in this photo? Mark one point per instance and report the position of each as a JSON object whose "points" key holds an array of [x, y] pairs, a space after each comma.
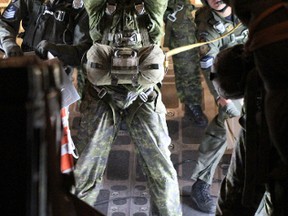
{"points": [[123, 25], [52, 22], [218, 26]]}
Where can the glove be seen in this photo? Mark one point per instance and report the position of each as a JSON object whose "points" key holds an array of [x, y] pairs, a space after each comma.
{"points": [[12, 49], [44, 47]]}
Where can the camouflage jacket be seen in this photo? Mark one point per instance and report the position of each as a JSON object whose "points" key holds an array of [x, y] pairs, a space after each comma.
{"points": [[122, 17]]}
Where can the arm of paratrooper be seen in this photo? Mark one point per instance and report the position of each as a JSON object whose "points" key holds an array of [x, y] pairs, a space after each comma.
{"points": [[9, 26], [69, 54]]}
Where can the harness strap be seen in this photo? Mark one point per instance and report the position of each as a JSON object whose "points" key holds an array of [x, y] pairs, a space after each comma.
{"points": [[102, 94], [108, 19], [171, 18], [143, 20], [146, 96]]}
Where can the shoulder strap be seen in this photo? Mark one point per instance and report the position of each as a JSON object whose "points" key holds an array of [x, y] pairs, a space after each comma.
{"points": [[107, 19], [171, 18], [143, 20]]}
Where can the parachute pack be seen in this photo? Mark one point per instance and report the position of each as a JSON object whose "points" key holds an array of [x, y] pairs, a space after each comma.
{"points": [[106, 65]]}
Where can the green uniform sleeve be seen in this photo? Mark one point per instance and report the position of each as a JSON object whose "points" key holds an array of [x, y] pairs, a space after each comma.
{"points": [[206, 32], [95, 10], [72, 54], [156, 10]]}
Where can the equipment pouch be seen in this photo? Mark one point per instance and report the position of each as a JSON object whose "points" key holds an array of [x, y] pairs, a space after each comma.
{"points": [[106, 65], [124, 66]]}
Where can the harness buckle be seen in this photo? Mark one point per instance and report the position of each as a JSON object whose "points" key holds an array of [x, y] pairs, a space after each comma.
{"points": [[102, 93], [126, 38], [140, 9], [143, 96], [59, 15], [46, 11], [110, 9], [172, 17], [233, 38]]}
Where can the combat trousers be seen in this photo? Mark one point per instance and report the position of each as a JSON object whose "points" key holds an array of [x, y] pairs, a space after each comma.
{"points": [[187, 77], [186, 64], [148, 130], [212, 147]]}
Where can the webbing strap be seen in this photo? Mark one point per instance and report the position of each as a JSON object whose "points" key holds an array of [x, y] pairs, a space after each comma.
{"points": [[178, 8]]}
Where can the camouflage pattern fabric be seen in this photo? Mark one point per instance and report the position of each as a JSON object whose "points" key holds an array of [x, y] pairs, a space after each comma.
{"points": [[186, 64], [146, 123], [81, 77], [96, 8], [149, 132]]}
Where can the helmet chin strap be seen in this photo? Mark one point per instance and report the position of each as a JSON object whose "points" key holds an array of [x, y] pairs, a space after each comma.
{"points": [[222, 10]]}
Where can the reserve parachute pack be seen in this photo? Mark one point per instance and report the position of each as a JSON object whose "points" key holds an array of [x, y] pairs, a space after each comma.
{"points": [[106, 65], [125, 55]]}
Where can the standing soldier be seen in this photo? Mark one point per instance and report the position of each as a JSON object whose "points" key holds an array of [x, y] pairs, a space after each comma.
{"points": [[124, 73], [180, 31], [213, 20]]}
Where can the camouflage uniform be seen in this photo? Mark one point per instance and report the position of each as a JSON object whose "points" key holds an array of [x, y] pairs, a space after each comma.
{"points": [[179, 33], [145, 120]]}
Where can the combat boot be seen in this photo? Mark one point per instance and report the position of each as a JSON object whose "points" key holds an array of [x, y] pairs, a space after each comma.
{"points": [[195, 113], [200, 194]]}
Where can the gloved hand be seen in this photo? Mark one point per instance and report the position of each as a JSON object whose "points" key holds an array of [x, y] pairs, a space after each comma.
{"points": [[44, 47], [11, 49], [227, 109], [231, 110]]}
